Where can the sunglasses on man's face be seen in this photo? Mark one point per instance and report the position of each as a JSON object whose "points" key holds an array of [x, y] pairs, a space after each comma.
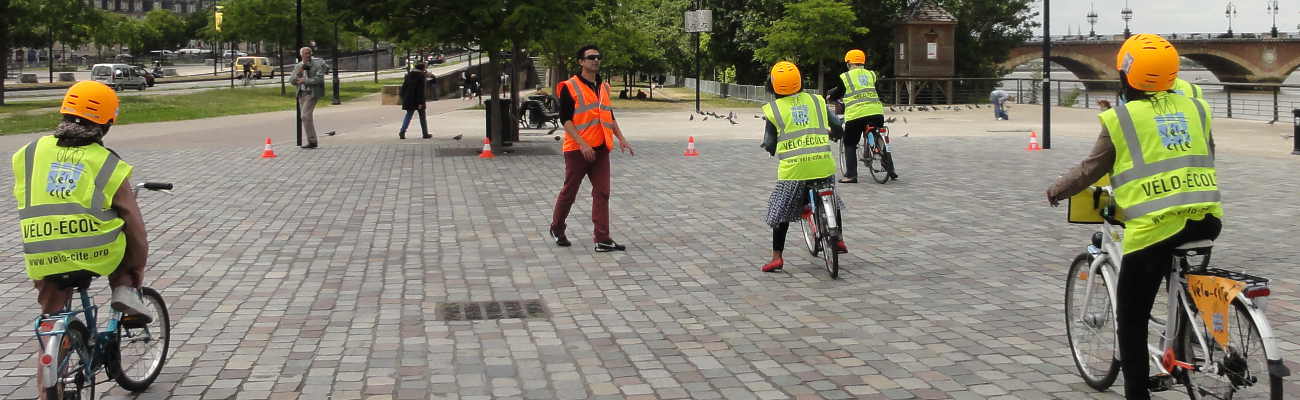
{"points": [[592, 57]]}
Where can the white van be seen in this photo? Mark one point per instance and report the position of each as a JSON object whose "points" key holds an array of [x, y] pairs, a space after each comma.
{"points": [[118, 76]]}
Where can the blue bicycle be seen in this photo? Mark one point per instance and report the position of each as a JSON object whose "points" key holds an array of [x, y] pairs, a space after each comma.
{"points": [[74, 350]]}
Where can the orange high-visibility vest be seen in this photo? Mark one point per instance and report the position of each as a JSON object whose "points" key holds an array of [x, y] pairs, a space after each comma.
{"points": [[592, 114]]}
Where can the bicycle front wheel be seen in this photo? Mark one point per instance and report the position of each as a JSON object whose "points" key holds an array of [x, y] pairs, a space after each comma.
{"points": [[142, 349], [877, 160], [1090, 324], [1242, 369], [72, 381]]}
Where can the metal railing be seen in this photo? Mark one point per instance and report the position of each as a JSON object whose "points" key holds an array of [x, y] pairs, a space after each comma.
{"points": [[1267, 102]]}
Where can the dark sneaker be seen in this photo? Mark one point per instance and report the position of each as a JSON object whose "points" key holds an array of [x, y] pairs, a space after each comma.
{"points": [[426, 136], [774, 266], [608, 246], [560, 240], [841, 248], [893, 176], [310, 146], [401, 135]]}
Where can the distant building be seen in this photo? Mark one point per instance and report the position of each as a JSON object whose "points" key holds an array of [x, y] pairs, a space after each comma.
{"points": [[140, 7]]}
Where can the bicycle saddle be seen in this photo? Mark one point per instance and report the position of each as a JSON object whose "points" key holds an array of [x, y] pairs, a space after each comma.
{"points": [[1196, 245], [73, 279]]}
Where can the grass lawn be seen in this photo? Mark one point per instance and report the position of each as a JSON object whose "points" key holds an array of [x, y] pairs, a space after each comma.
{"points": [[674, 98], [27, 117]]}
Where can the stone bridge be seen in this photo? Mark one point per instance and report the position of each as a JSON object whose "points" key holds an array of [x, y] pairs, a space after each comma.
{"points": [[1231, 60]]}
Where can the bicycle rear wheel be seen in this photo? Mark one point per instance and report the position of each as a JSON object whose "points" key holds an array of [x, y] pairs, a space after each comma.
{"points": [[877, 160], [72, 381], [141, 351], [1092, 333], [1242, 368], [809, 233]]}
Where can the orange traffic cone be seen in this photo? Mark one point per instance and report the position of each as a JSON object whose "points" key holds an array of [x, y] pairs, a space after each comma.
{"points": [[1033, 142], [268, 153], [487, 149], [690, 148]]}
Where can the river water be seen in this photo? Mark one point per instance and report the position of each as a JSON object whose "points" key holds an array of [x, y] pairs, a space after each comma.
{"points": [[1245, 104]]}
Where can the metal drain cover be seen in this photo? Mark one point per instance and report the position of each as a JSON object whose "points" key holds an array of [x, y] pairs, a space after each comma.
{"points": [[487, 310]]}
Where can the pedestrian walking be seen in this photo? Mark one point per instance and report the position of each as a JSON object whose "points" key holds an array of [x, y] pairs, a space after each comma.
{"points": [[309, 75], [412, 94], [589, 132], [248, 73]]}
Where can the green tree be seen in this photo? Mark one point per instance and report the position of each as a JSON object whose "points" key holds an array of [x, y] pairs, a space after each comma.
{"points": [[812, 32], [988, 30], [161, 30], [47, 22]]}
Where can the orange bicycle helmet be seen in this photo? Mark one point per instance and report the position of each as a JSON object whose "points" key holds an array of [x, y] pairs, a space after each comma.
{"points": [[91, 100], [786, 79], [855, 56], [1149, 62]]}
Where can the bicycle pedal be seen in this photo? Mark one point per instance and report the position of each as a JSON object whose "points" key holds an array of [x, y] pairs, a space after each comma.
{"points": [[1160, 383], [133, 322]]}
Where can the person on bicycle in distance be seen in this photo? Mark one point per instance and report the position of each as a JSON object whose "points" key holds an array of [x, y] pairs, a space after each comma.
{"points": [[76, 206], [1157, 146], [862, 108], [796, 130]]}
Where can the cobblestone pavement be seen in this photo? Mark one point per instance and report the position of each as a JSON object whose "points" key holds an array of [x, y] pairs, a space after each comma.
{"points": [[318, 275]]}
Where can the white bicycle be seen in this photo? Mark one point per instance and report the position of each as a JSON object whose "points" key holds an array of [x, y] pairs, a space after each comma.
{"points": [[1248, 366]]}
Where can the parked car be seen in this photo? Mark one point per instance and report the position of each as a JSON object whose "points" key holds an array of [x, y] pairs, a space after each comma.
{"points": [[149, 78], [261, 66], [439, 59], [118, 76], [193, 52], [233, 53], [163, 53]]}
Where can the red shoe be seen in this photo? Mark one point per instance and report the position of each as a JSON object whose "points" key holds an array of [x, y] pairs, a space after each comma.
{"points": [[774, 266], [840, 248]]}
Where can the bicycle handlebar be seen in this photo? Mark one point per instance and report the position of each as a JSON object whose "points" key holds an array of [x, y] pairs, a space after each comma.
{"points": [[155, 186]]}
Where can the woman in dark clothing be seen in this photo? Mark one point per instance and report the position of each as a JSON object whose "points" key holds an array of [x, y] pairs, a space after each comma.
{"points": [[412, 95]]}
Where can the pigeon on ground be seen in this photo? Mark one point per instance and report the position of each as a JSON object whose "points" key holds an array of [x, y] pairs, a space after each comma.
{"points": [[692, 117], [457, 137], [705, 119]]}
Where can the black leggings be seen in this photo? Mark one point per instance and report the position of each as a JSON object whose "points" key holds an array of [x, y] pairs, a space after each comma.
{"points": [[1139, 280], [853, 132], [778, 232]]}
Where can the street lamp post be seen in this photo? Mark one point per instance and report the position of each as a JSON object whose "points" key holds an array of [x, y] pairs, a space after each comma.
{"points": [[1273, 9], [1127, 15], [1230, 12], [336, 65], [1092, 20], [1047, 75], [298, 99]]}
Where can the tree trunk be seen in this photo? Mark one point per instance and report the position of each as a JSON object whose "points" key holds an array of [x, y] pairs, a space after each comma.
{"points": [[279, 60], [515, 54], [819, 78]]}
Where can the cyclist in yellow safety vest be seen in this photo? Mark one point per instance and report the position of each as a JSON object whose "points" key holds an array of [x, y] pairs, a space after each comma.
{"points": [[1158, 149], [1188, 89], [78, 212], [796, 132], [862, 109]]}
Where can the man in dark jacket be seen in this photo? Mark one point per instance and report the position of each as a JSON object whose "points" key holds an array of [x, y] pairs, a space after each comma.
{"points": [[412, 94]]}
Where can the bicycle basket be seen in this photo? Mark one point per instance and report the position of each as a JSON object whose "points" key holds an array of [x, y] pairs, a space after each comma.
{"points": [[1086, 206]]}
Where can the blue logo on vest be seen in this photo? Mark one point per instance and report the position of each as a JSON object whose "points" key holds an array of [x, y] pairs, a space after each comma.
{"points": [[799, 114], [63, 178], [1173, 131], [864, 80]]}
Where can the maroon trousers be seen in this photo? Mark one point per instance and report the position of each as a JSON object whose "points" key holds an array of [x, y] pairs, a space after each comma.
{"points": [[597, 171]]}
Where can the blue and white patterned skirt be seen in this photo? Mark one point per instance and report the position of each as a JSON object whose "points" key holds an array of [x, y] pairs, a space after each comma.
{"points": [[788, 198]]}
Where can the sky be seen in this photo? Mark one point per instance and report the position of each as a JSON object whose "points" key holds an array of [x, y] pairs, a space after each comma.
{"points": [[1171, 16]]}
